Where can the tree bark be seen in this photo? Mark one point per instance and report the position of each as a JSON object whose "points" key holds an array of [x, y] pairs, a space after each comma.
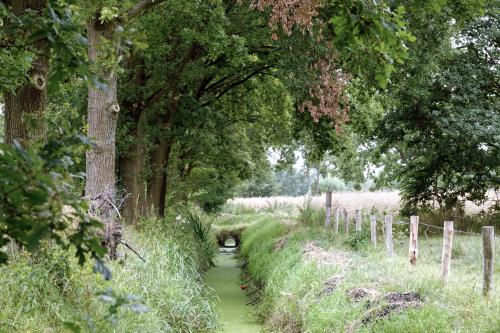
{"points": [[25, 107], [132, 173], [102, 118], [157, 184], [132, 162]]}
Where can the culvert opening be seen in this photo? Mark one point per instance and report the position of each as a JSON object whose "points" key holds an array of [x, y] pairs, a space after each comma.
{"points": [[229, 238], [230, 242]]}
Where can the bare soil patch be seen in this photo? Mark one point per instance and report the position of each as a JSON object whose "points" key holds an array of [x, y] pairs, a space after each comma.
{"points": [[322, 256], [360, 294], [330, 284]]}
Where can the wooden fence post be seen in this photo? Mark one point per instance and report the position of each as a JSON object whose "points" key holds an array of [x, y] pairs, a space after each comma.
{"points": [[358, 220], [346, 223], [337, 218], [389, 248], [413, 240], [373, 229], [488, 258], [328, 209], [447, 245]]}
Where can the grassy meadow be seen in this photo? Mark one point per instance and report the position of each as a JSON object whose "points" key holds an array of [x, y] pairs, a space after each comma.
{"points": [[307, 279]]}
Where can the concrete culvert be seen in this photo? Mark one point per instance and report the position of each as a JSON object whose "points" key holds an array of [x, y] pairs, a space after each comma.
{"points": [[229, 237]]}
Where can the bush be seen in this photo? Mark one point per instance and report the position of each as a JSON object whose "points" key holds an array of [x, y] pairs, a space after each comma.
{"points": [[36, 187], [309, 215], [358, 240], [332, 185]]}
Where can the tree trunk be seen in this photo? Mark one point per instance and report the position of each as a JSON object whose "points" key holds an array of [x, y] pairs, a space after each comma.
{"points": [[132, 169], [157, 184], [25, 108], [102, 118]]}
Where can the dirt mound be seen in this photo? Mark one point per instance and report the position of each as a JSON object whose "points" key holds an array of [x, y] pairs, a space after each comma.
{"points": [[387, 305], [325, 257], [330, 285], [281, 243], [392, 303], [359, 294]]}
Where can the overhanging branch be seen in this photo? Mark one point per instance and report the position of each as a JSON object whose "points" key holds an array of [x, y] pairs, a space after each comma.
{"points": [[140, 8]]}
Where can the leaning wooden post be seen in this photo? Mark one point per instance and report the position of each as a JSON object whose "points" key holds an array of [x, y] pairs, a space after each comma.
{"points": [[328, 209], [358, 220], [373, 229], [413, 240], [346, 223], [447, 245], [488, 258], [337, 218], [389, 247]]}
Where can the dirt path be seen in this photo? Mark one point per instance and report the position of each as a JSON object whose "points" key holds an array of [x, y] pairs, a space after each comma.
{"points": [[235, 315]]}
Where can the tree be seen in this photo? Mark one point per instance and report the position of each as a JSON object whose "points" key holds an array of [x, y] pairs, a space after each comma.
{"points": [[103, 33], [33, 34], [25, 105], [211, 57], [443, 117]]}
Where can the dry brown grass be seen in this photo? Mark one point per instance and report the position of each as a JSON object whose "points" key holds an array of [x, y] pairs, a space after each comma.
{"points": [[381, 201]]}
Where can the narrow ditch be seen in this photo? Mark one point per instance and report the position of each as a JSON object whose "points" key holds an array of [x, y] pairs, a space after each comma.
{"points": [[231, 302]]}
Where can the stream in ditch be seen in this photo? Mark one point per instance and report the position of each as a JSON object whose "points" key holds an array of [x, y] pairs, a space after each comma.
{"points": [[231, 302]]}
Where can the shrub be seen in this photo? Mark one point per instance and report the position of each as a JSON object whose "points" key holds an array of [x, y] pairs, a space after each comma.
{"points": [[358, 240], [332, 185], [309, 215], [201, 228]]}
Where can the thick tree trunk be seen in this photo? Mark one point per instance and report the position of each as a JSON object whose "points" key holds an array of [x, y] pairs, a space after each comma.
{"points": [[24, 108], [157, 183], [102, 118], [132, 169]]}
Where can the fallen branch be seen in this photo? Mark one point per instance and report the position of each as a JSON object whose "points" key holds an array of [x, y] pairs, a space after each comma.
{"points": [[132, 249]]}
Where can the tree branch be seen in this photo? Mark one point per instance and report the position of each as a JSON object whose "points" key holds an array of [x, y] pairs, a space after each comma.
{"points": [[140, 8]]}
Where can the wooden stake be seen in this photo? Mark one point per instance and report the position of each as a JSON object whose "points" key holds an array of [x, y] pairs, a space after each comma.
{"points": [[373, 229], [358, 220], [389, 247], [488, 258], [328, 209], [413, 240], [337, 218], [447, 245], [346, 223]]}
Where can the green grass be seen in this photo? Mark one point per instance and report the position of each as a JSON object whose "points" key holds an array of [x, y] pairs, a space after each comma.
{"points": [[40, 293], [292, 287]]}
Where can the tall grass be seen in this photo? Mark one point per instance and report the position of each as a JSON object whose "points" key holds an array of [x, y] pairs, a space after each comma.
{"points": [[297, 296], [201, 226], [40, 294]]}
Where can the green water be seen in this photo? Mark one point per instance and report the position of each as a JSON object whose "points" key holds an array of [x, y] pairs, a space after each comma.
{"points": [[231, 301]]}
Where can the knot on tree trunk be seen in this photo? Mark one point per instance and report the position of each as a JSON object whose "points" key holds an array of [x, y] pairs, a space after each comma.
{"points": [[114, 109], [39, 81]]}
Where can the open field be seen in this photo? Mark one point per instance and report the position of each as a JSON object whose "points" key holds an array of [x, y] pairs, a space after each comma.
{"points": [[380, 200]]}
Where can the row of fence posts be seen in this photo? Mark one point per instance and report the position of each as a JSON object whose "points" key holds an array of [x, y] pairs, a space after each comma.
{"points": [[488, 237]]}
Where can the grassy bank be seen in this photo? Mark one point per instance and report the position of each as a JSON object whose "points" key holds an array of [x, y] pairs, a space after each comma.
{"points": [[313, 281], [40, 293]]}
